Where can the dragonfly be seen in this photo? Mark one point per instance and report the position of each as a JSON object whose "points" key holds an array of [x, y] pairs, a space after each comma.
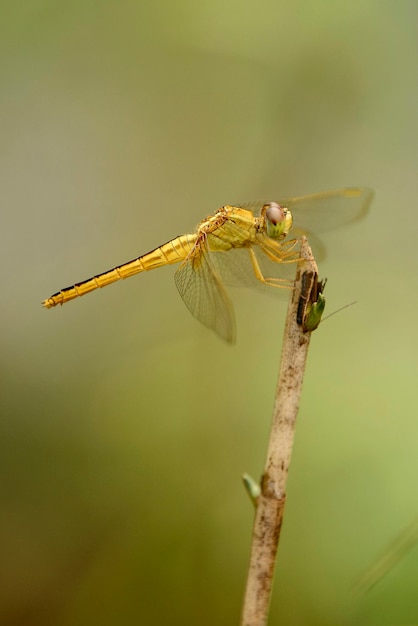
{"points": [[253, 244]]}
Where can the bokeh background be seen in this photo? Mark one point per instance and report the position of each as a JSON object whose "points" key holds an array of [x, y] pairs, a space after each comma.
{"points": [[125, 425]]}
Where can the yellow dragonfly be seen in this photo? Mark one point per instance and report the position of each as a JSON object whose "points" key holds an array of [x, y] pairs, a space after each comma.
{"points": [[249, 244]]}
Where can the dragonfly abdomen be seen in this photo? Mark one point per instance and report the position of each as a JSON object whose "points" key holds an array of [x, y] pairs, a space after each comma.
{"points": [[171, 252]]}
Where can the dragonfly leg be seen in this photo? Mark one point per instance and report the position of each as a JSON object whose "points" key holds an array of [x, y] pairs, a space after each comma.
{"points": [[282, 283], [283, 253]]}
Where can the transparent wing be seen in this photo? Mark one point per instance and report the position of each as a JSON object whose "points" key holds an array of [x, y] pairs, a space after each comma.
{"points": [[321, 212], [236, 268], [199, 284]]}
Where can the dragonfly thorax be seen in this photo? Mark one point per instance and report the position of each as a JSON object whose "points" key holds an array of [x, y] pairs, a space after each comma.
{"points": [[277, 220]]}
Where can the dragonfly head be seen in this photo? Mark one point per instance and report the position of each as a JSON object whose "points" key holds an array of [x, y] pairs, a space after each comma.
{"points": [[278, 220]]}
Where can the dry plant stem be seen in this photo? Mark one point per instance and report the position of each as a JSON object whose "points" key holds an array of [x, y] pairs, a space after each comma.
{"points": [[269, 514]]}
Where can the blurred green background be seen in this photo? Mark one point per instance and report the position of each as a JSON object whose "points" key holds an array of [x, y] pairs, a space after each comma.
{"points": [[125, 425]]}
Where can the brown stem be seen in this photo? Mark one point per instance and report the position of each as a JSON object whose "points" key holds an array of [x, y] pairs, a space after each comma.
{"points": [[269, 514]]}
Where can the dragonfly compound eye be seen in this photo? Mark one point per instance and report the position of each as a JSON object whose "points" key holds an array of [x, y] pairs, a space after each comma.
{"points": [[278, 220], [274, 213]]}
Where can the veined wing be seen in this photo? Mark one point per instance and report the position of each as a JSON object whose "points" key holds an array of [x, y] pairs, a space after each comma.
{"points": [[321, 212], [235, 267], [200, 287]]}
